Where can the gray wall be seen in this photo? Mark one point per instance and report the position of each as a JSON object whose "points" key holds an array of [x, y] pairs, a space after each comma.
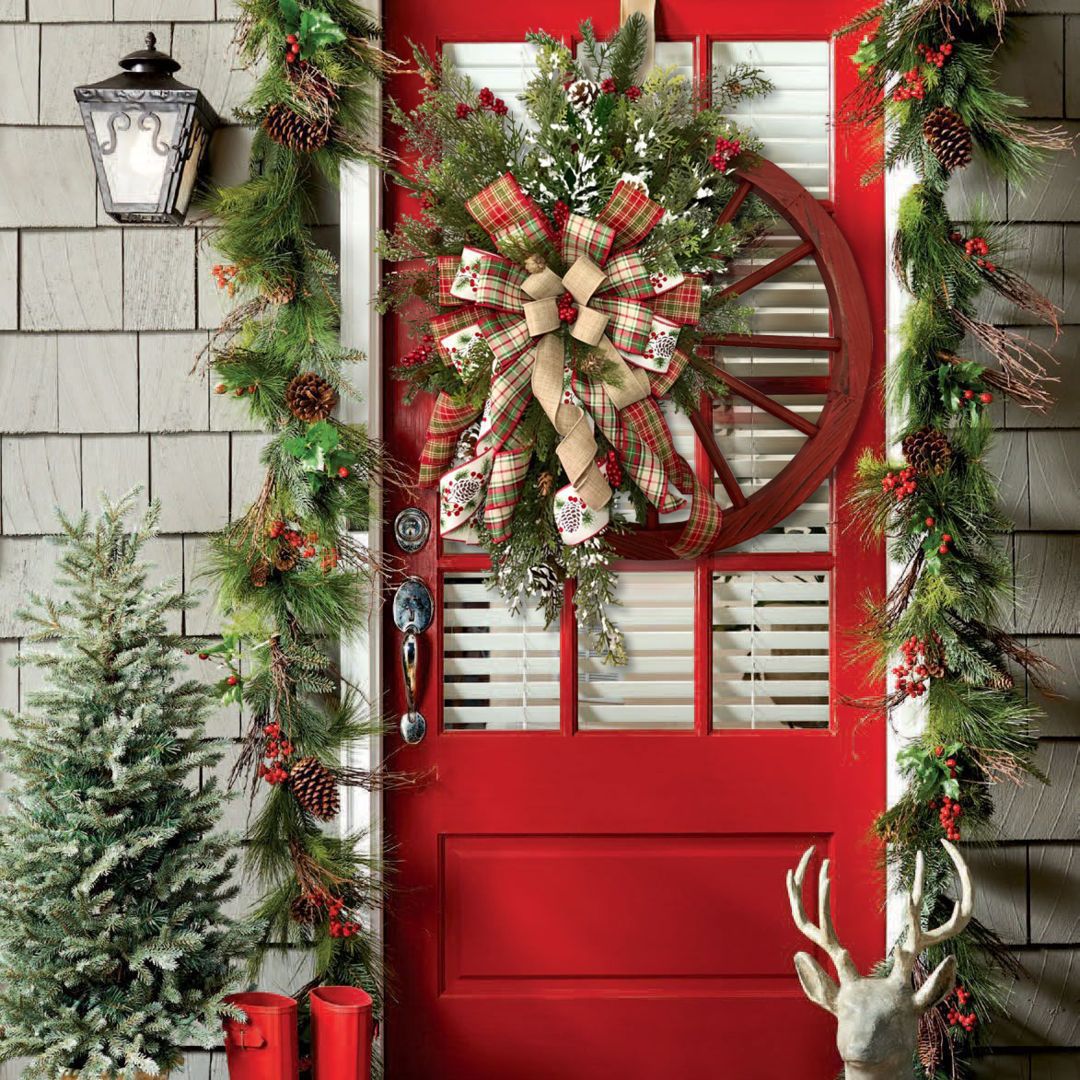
{"points": [[1031, 882], [100, 325]]}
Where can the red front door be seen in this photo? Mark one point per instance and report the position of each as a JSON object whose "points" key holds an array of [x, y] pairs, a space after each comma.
{"points": [[589, 877]]}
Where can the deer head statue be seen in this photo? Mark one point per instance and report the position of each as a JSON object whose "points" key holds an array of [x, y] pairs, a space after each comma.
{"points": [[877, 1017]]}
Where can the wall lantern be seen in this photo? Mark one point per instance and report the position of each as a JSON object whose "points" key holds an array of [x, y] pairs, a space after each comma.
{"points": [[148, 134]]}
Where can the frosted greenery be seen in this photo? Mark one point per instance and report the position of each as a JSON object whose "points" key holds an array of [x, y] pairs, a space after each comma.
{"points": [[114, 949]]}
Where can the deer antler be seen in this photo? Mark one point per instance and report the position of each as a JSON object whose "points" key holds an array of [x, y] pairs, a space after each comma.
{"points": [[824, 933], [916, 940]]}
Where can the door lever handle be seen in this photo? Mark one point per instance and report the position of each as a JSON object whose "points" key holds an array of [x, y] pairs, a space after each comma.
{"points": [[410, 656], [413, 612]]}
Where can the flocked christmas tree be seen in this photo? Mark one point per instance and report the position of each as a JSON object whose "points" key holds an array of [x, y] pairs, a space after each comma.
{"points": [[114, 949]]}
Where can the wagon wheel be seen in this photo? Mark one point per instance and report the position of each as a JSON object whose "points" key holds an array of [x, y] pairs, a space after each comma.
{"points": [[850, 351]]}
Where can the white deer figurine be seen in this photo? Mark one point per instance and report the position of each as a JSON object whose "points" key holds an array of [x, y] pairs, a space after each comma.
{"points": [[877, 1017]]}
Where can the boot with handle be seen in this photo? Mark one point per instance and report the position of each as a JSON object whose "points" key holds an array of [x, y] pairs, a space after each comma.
{"points": [[342, 1030], [266, 1046]]}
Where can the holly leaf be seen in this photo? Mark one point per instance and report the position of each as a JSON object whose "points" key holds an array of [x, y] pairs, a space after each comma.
{"points": [[311, 448], [290, 12], [318, 30], [951, 787]]}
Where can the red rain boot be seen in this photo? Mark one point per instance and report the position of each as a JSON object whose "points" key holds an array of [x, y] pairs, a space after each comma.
{"points": [[265, 1048], [341, 1033]]}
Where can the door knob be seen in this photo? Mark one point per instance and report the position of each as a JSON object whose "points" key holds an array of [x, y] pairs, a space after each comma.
{"points": [[413, 612]]}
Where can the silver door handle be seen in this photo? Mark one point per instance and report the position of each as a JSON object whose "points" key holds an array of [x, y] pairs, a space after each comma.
{"points": [[410, 656]]}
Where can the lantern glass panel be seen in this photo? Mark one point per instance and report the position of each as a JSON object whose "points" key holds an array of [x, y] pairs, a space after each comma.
{"points": [[136, 146], [197, 143]]}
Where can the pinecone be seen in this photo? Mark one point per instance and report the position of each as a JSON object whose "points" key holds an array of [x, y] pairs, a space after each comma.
{"points": [[545, 482], [296, 132], [948, 137], [927, 451], [306, 909], [581, 94], [281, 294], [314, 787], [260, 573], [284, 558], [310, 397]]}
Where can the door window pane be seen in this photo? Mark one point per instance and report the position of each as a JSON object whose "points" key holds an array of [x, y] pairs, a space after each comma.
{"points": [[500, 671], [655, 689], [792, 121], [771, 650]]}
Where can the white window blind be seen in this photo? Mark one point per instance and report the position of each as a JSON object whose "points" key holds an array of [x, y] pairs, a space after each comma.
{"points": [[770, 650], [500, 671], [655, 689], [792, 121]]}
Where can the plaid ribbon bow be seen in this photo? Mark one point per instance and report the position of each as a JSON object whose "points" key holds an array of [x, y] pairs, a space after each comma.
{"points": [[612, 304]]}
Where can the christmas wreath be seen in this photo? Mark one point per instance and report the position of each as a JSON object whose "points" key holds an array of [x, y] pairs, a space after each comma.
{"points": [[568, 259]]}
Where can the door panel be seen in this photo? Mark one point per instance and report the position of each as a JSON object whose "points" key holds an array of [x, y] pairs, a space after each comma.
{"points": [[590, 872]]}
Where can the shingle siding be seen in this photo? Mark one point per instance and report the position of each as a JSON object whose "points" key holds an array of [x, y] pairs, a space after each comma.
{"points": [[1031, 883]]}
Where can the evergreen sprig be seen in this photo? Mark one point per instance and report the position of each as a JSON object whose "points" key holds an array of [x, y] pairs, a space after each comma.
{"points": [[288, 575], [115, 950], [924, 63]]}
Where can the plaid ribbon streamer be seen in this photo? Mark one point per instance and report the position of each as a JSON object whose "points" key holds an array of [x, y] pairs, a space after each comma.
{"points": [[630, 214], [448, 421], [505, 212], [682, 304], [508, 471], [498, 284], [663, 382], [586, 236], [630, 323], [447, 269], [636, 456], [627, 276], [703, 526]]}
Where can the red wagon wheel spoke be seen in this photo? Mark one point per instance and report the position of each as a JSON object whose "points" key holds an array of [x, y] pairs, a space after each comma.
{"points": [[849, 352], [762, 400], [720, 464], [734, 203], [800, 343], [771, 269]]}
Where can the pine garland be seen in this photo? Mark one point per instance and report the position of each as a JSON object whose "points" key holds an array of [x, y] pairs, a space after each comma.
{"points": [[927, 81], [289, 577]]}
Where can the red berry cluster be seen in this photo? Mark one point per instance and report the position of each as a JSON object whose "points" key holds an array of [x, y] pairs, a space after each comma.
{"points": [[726, 149], [305, 545], [225, 277], [486, 99], [239, 391], [420, 355], [276, 751], [949, 814], [902, 483], [911, 673], [633, 92], [968, 1020], [935, 57], [608, 86], [292, 49], [913, 87], [567, 309], [943, 547], [560, 214], [975, 247], [340, 927], [984, 398], [612, 469]]}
